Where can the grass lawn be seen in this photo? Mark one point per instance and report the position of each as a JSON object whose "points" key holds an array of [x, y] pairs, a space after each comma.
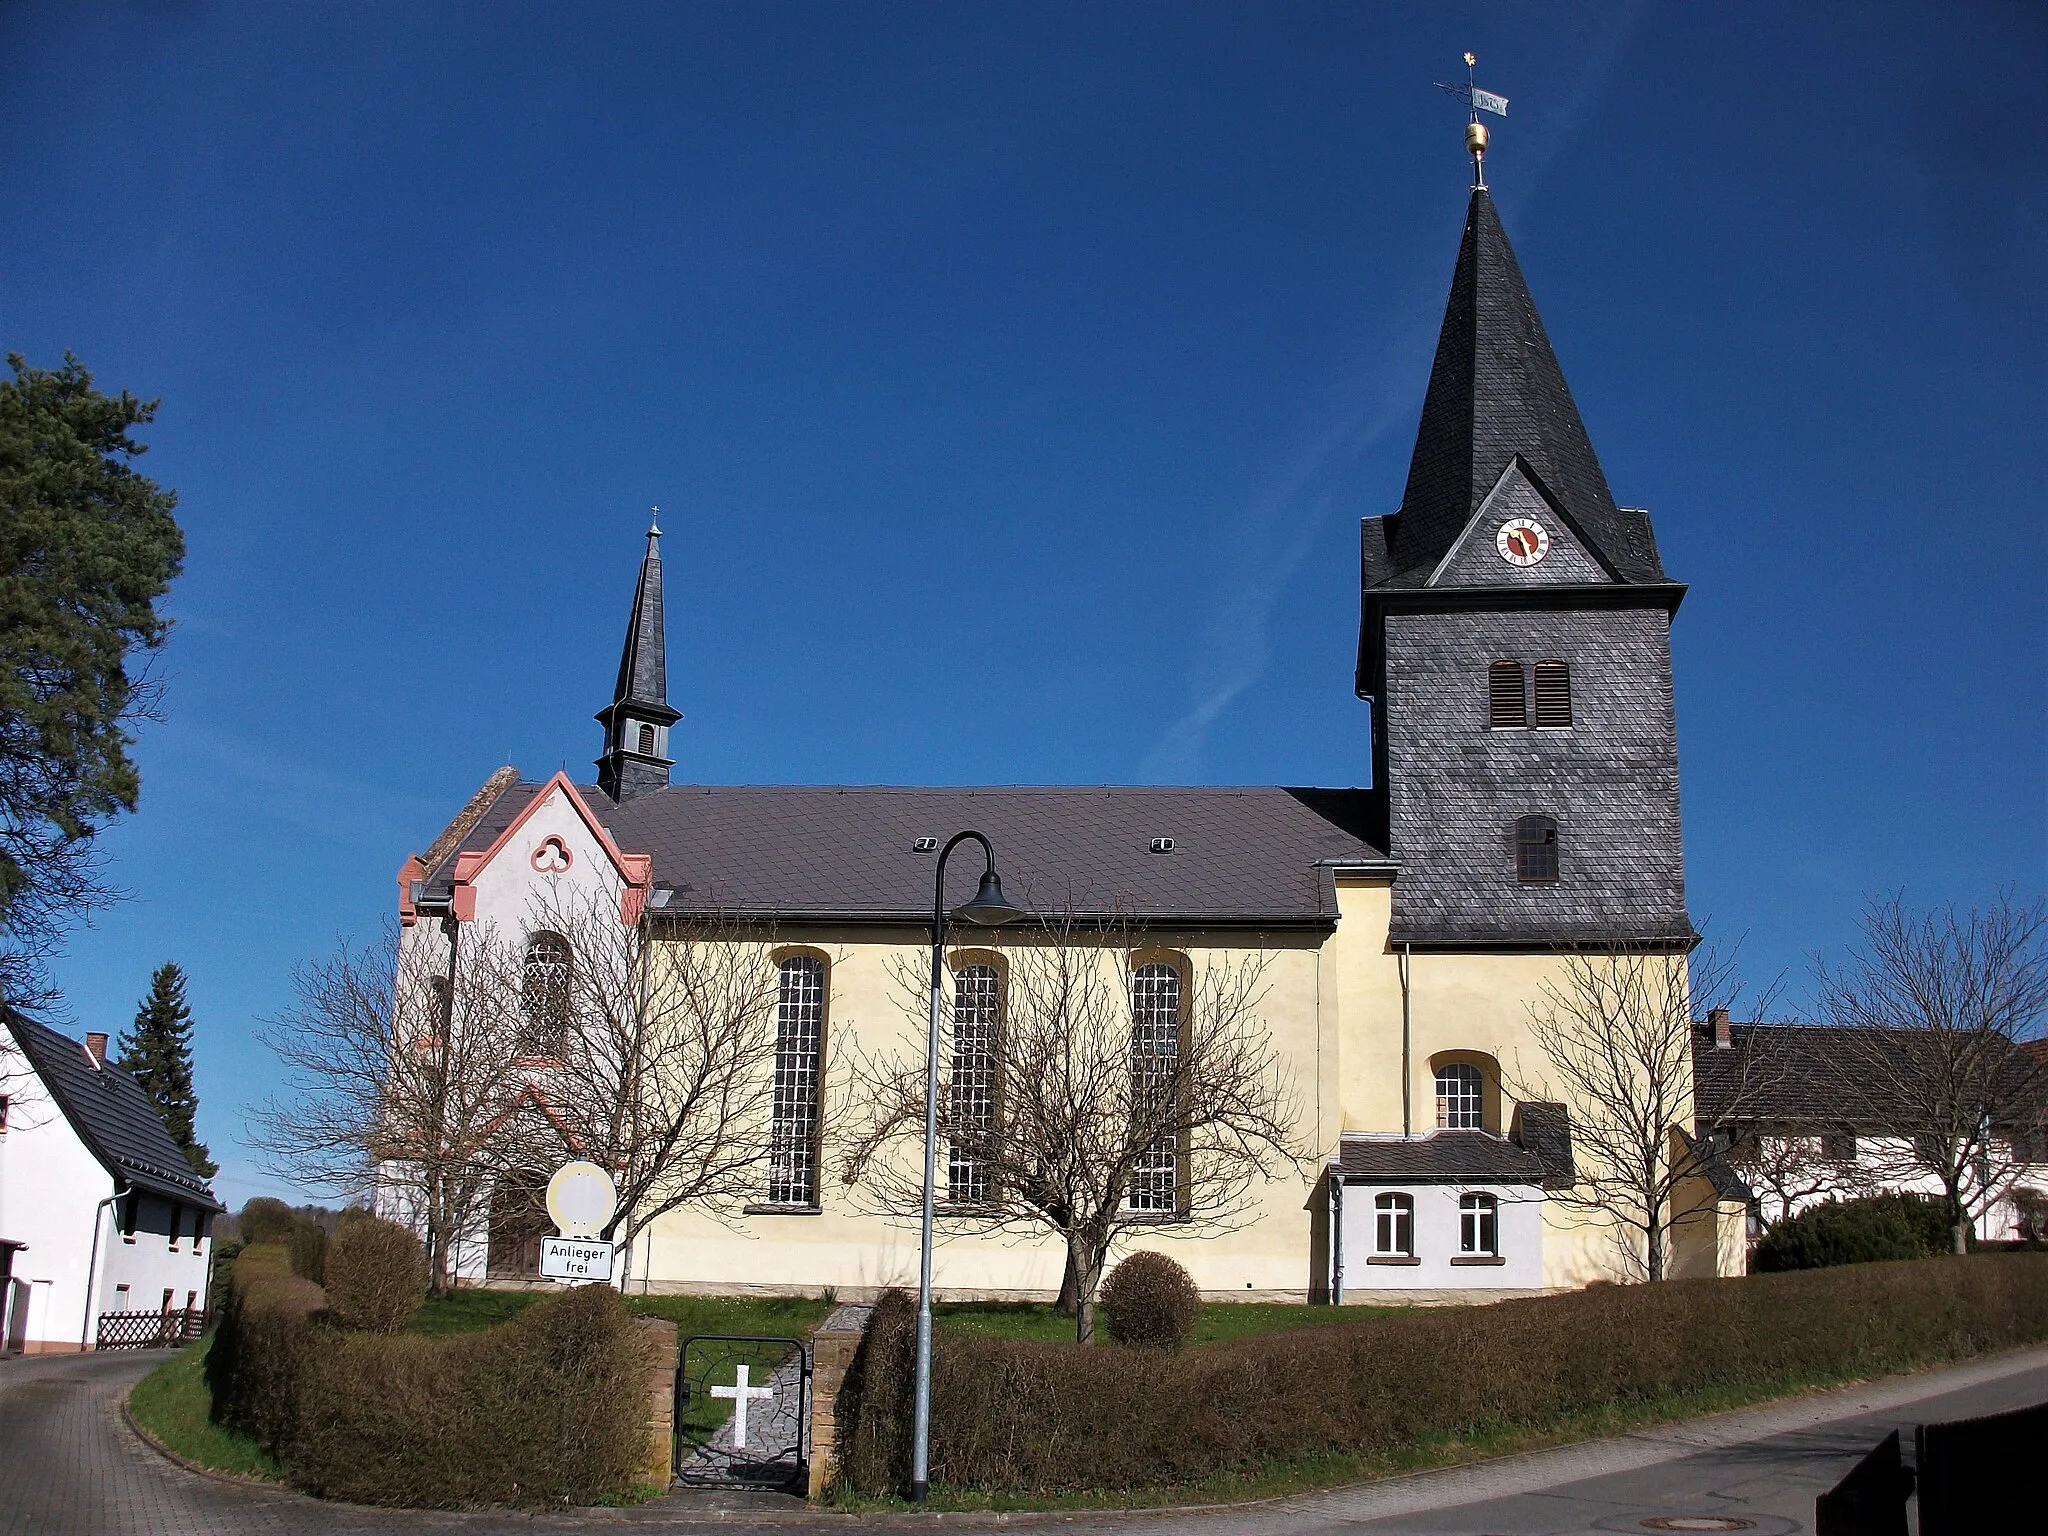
{"points": [[172, 1403], [1040, 1321]]}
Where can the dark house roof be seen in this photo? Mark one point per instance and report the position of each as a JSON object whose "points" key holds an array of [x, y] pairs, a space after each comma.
{"points": [[1711, 1153], [1824, 1075], [1257, 857], [1459, 1157], [112, 1115], [1496, 392]]}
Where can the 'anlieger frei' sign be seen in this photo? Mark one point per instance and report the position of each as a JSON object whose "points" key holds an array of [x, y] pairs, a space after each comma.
{"points": [[581, 1200]]}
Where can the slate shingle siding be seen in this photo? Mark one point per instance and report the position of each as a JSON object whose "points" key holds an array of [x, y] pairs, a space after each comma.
{"points": [[1456, 786]]}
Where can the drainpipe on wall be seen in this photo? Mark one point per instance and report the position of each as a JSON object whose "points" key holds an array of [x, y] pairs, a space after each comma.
{"points": [[1407, 1071], [93, 1263], [1336, 1241]]}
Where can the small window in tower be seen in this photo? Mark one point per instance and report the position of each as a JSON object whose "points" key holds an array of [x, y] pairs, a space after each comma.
{"points": [[1536, 850], [647, 740], [1507, 707], [1553, 695]]}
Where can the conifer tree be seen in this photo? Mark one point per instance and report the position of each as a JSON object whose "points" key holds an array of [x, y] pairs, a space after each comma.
{"points": [[157, 1052]]}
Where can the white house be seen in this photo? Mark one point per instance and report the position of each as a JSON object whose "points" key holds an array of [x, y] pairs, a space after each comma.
{"points": [[100, 1214]]}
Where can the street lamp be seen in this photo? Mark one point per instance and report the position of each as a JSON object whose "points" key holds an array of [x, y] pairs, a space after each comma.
{"points": [[989, 906]]}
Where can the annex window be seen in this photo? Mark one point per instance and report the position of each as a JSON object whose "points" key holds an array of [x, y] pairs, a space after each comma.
{"points": [[1553, 695], [799, 1042], [544, 995], [1536, 850], [3, 1111], [177, 1226], [1478, 1225], [1460, 1097], [1155, 1053], [977, 1009], [1838, 1146], [1393, 1226], [1507, 705], [647, 740]]}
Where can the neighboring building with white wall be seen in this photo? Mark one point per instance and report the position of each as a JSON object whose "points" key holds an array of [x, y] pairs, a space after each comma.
{"points": [[99, 1210]]}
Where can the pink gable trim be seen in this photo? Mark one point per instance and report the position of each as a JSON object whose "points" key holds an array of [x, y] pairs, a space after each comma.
{"points": [[635, 869], [412, 869]]}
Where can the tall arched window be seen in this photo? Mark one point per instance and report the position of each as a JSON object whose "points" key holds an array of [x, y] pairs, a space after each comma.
{"points": [[1553, 695], [1155, 1050], [1536, 850], [793, 1122], [545, 994], [1507, 704], [647, 741], [971, 1103], [1460, 1097]]}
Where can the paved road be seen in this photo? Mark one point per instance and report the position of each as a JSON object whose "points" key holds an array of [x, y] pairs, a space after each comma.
{"points": [[70, 1467]]}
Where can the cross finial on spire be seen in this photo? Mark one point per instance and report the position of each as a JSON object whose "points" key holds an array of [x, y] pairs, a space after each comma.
{"points": [[1475, 131], [654, 521]]}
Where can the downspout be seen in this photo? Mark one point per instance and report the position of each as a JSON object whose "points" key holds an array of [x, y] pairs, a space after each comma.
{"points": [[1406, 957], [93, 1263], [1336, 1240]]}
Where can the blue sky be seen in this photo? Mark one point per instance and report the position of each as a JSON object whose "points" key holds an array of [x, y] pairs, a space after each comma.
{"points": [[1095, 328]]}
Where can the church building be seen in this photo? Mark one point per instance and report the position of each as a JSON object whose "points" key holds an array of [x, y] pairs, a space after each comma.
{"points": [[1514, 647]]}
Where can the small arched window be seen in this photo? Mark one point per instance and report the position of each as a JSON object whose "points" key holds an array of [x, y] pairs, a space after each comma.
{"points": [[1506, 699], [544, 992], [1460, 1097], [647, 741], [1478, 1225], [1155, 1054], [799, 1049], [1393, 1231], [1536, 850], [977, 1009], [1553, 695]]}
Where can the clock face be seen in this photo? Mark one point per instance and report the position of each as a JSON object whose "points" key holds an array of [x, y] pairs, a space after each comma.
{"points": [[1522, 541]]}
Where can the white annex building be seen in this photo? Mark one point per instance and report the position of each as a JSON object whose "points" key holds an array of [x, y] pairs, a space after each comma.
{"points": [[100, 1214]]}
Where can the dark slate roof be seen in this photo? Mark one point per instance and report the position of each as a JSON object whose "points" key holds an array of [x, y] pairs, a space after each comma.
{"points": [[1545, 1130], [1439, 1157], [1821, 1075], [1241, 857], [111, 1115], [643, 663], [1496, 391], [1711, 1154]]}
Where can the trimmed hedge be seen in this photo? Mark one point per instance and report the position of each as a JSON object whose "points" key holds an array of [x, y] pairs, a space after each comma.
{"points": [[375, 1274], [1041, 1418], [549, 1408], [1151, 1302], [1865, 1231]]}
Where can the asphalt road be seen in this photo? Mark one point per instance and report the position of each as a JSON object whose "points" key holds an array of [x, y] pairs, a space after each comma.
{"points": [[69, 1464]]}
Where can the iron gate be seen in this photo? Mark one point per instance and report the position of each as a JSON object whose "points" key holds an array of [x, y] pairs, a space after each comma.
{"points": [[743, 1411]]}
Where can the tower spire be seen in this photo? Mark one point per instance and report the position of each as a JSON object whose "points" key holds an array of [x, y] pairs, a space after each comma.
{"points": [[636, 722]]}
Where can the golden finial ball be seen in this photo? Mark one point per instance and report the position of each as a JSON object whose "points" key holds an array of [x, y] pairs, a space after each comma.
{"points": [[1475, 138]]}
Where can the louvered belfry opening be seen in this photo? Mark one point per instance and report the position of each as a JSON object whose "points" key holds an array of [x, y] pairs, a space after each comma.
{"points": [[1507, 703], [1553, 695]]}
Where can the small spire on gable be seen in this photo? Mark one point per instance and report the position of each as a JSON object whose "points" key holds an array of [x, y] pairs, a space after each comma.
{"points": [[637, 720]]}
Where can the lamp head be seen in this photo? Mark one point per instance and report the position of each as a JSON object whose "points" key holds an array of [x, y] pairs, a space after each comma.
{"points": [[990, 905]]}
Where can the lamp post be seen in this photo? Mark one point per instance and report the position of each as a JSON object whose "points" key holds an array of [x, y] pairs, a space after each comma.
{"points": [[989, 906]]}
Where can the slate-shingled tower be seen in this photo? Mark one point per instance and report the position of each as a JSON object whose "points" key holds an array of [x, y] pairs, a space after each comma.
{"points": [[1515, 641], [636, 721]]}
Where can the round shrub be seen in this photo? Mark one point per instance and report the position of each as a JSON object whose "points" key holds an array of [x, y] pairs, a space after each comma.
{"points": [[309, 1253], [1149, 1300], [376, 1275], [1866, 1231], [265, 1220]]}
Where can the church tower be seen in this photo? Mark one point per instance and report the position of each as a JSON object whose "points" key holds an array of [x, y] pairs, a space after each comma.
{"points": [[1515, 642], [636, 721]]}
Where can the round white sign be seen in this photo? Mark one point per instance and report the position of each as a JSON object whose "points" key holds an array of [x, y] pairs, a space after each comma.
{"points": [[581, 1199]]}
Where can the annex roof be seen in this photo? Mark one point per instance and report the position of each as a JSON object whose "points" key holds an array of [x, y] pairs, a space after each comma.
{"points": [[1238, 857], [1438, 1157], [111, 1114]]}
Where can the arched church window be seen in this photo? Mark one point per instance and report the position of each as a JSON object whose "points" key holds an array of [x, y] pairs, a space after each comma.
{"points": [[977, 1010], [1460, 1097], [647, 741], [1553, 695], [1155, 1053], [544, 993], [793, 1120], [1536, 850], [1506, 701]]}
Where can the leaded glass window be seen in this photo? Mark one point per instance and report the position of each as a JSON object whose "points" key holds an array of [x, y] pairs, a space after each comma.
{"points": [[1460, 1098], [977, 1010], [793, 1123], [1155, 1052], [544, 995]]}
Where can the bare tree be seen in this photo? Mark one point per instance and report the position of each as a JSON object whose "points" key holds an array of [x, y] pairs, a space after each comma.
{"points": [[1094, 1090], [1614, 1037], [403, 1068], [1936, 1007], [664, 1070]]}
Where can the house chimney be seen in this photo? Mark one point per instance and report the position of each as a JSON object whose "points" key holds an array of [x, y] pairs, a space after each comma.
{"points": [[96, 1048], [1724, 1036]]}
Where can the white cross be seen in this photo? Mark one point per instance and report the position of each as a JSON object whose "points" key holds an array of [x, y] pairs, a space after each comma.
{"points": [[740, 1393]]}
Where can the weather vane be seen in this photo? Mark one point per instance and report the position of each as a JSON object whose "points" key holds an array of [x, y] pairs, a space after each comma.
{"points": [[1475, 131]]}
